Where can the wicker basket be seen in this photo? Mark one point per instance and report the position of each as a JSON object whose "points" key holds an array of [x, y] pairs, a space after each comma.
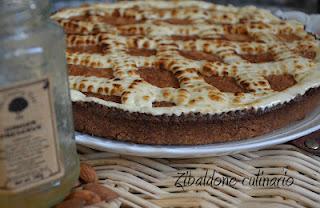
{"points": [[144, 182]]}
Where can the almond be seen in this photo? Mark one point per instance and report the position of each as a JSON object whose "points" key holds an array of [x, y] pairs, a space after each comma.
{"points": [[88, 196], [88, 173], [77, 184], [71, 203], [105, 193]]}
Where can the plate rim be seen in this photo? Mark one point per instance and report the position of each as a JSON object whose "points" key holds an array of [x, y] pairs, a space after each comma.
{"points": [[298, 129]]}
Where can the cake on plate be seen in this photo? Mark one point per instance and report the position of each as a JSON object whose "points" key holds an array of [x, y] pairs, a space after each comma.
{"points": [[187, 72]]}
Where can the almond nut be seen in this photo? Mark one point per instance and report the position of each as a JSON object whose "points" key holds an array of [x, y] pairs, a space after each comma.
{"points": [[105, 193], [88, 196], [71, 203], [88, 173]]}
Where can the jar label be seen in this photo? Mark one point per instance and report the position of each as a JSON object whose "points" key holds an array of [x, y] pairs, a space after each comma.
{"points": [[29, 151]]}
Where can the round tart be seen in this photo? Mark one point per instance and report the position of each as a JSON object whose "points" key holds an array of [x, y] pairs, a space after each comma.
{"points": [[187, 72]]}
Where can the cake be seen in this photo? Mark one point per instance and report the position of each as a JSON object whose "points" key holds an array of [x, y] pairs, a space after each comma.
{"points": [[187, 72]]}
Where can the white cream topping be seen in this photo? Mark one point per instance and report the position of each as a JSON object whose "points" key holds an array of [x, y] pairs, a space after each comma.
{"points": [[194, 94]]}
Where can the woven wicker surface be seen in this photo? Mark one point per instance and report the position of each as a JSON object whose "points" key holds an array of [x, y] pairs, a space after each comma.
{"points": [[144, 182]]}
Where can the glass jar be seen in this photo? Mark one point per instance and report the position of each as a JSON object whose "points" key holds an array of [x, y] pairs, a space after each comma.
{"points": [[38, 159]]}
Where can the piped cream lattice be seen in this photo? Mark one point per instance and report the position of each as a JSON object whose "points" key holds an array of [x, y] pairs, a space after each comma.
{"points": [[101, 36]]}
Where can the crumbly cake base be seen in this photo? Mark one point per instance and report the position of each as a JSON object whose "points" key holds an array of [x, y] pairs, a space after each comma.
{"points": [[189, 129]]}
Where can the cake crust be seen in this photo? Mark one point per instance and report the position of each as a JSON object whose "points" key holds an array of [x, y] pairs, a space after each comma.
{"points": [[189, 129]]}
